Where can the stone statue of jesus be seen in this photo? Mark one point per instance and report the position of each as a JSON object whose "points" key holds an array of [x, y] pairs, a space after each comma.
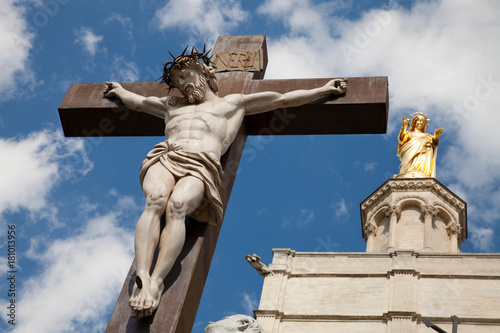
{"points": [[181, 176]]}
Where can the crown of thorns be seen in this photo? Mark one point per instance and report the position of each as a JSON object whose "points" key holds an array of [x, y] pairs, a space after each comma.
{"points": [[182, 60]]}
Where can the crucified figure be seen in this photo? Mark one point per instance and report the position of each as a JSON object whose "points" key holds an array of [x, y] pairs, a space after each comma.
{"points": [[181, 176]]}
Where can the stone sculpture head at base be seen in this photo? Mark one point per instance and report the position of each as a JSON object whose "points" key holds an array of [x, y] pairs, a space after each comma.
{"points": [[235, 324]]}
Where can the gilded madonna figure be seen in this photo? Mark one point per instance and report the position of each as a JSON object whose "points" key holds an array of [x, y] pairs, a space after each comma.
{"points": [[417, 149]]}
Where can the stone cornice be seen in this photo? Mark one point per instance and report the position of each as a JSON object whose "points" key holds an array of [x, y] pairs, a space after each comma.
{"points": [[412, 186], [406, 185]]}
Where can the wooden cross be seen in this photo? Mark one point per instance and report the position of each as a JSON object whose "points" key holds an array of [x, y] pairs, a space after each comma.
{"points": [[241, 66]]}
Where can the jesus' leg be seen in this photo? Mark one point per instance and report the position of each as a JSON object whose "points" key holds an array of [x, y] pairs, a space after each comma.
{"points": [[157, 186], [186, 197]]}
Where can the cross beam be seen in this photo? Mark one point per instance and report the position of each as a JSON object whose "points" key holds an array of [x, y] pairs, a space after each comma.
{"points": [[362, 110], [85, 112]]}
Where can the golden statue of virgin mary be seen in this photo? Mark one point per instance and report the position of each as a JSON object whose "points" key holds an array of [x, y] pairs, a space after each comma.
{"points": [[417, 149]]}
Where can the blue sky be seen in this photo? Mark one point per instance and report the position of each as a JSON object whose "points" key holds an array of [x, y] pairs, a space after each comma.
{"points": [[75, 202]]}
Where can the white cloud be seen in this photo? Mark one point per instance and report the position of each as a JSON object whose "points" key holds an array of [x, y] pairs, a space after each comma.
{"points": [[302, 17], [286, 223], [249, 303], [205, 19], [124, 202], [340, 209], [302, 219], [81, 278], [81, 275], [434, 54], [280, 9], [441, 58], [262, 211], [16, 44], [128, 27], [481, 238], [32, 165], [123, 70], [369, 166], [305, 217], [88, 40], [277, 9]]}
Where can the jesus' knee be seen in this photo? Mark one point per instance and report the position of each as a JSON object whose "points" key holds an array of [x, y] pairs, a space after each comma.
{"points": [[176, 207], [156, 203]]}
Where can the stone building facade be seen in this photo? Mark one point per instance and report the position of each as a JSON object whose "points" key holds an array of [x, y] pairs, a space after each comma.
{"points": [[413, 269]]}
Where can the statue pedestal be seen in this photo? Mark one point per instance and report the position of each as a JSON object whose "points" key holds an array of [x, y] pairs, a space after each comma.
{"points": [[418, 214], [412, 174]]}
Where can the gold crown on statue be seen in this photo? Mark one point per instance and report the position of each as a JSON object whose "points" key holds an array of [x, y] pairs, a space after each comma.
{"points": [[419, 114]]}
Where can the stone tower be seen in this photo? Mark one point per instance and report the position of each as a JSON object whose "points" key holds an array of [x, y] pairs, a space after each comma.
{"points": [[413, 269], [418, 214]]}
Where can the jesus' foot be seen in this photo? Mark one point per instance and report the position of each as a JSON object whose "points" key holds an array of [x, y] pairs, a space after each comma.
{"points": [[156, 291], [141, 300], [145, 297]]}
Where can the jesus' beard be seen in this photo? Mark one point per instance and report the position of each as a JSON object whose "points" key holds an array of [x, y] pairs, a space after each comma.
{"points": [[197, 90]]}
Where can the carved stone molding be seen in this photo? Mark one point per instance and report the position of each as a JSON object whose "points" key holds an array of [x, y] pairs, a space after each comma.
{"points": [[401, 322], [428, 210], [375, 197], [368, 215], [394, 213], [387, 209], [403, 272], [448, 211], [453, 229], [371, 230], [393, 210], [403, 185], [408, 315], [403, 198], [269, 313]]}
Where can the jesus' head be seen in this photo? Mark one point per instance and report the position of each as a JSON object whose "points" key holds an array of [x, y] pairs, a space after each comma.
{"points": [[191, 74]]}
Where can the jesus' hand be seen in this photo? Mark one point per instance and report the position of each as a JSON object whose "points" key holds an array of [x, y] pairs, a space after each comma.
{"points": [[337, 86], [109, 89]]}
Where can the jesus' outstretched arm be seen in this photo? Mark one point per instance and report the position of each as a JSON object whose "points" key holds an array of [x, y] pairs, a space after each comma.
{"points": [[268, 101], [152, 105]]}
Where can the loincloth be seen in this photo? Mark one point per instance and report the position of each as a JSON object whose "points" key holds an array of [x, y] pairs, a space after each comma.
{"points": [[203, 166]]}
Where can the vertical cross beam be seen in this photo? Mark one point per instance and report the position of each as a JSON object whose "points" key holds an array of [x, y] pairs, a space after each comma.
{"points": [[184, 284]]}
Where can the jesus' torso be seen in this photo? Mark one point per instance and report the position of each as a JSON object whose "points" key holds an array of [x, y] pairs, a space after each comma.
{"points": [[208, 127]]}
